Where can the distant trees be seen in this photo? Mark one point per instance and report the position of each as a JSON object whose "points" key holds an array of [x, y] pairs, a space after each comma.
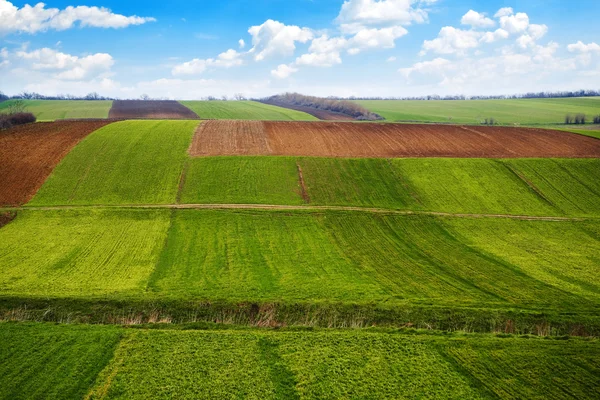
{"points": [[239, 97], [579, 119], [15, 115], [37, 96], [597, 119], [346, 107], [490, 122], [3, 97], [537, 95]]}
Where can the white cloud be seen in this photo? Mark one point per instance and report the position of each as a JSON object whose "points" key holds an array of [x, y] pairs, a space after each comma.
{"points": [[477, 20], [274, 38], [227, 59], [38, 18], [241, 43], [516, 23], [503, 12], [283, 71], [4, 52], [537, 31], [498, 34], [391, 59], [65, 66], [436, 66], [383, 38], [452, 40], [319, 59], [581, 47], [355, 14], [525, 41]]}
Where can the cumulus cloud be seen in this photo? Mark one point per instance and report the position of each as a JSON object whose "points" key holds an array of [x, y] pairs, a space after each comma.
{"points": [[436, 66], [503, 12], [452, 40], [581, 47], [491, 37], [274, 38], [38, 18], [514, 23], [241, 43], [356, 14], [477, 20], [227, 59], [283, 71], [64, 66]]}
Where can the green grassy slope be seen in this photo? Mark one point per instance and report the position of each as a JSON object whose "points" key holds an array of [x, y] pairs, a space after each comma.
{"points": [[513, 111], [245, 110], [44, 361], [131, 162], [520, 187], [53, 362], [50, 110], [269, 256], [70, 253]]}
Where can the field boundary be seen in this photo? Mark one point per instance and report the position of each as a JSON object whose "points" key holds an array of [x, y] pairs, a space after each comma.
{"points": [[306, 208]]}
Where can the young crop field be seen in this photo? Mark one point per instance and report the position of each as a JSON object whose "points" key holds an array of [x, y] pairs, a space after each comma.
{"points": [[29, 154], [150, 109], [278, 256], [130, 162], [536, 187], [347, 139], [51, 110], [95, 362], [245, 110], [505, 112]]}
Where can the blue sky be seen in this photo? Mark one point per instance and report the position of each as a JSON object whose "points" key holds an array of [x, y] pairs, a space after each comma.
{"points": [[190, 50]]}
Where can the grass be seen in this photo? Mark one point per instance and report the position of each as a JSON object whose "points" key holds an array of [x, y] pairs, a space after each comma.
{"points": [[73, 254], [45, 361], [293, 258], [506, 112], [242, 180], [538, 187], [53, 362], [245, 110], [584, 132], [50, 110], [131, 162]]}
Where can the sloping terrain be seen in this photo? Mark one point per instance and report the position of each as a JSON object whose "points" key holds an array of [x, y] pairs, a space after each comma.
{"points": [[150, 109], [245, 110], [339, 139], [28, 155], [323, 115], [51, 110]]}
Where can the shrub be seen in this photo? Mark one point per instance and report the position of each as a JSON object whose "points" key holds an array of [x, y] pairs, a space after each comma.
{"points": [[597, 119], [569, 119], [580, 119], [10, 120], [490, 121]]}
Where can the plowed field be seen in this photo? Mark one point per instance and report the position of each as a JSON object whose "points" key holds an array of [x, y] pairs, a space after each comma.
{"points": [[321, 114], [338, 139], [29, 153], [151, 109]]}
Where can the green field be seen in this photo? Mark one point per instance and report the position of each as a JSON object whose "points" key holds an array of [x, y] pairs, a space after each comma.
{"points": [[46, 361], [277, 256], [50, 110], [469, 186], [505, 112], [245, 110], [130, 162]]}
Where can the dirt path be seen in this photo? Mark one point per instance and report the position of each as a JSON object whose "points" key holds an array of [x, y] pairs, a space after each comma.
{"points": [[307, 208]]}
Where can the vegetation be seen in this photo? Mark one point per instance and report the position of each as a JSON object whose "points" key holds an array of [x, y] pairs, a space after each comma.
{"points": [[579, 119], [50, 110], [245, 110], [10, 120], [597, 119], [470, 186], [509, 112], [130, 162], [101, 362], [339, 106]]}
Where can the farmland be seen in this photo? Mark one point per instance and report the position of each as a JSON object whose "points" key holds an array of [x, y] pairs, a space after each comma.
{"points": [[150, 109], [505, 112], [245, 110], [325, 364], [130, 162], [30, 153], [346, 139], [319, 114], [51, 110]]}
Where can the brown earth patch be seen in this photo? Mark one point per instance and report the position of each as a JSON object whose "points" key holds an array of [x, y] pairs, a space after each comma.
{"points": [[6, 217], [343, 139], [29, 153], [150, 109], [315, 112]]}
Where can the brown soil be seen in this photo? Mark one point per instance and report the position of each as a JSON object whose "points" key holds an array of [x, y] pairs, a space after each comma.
{"points": [[29, 153], [6, 217], [150, 109], [343, 139], [321, 114]]}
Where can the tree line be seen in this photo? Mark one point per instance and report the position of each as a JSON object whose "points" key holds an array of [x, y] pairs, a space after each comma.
{"points": [[531, 95]]}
